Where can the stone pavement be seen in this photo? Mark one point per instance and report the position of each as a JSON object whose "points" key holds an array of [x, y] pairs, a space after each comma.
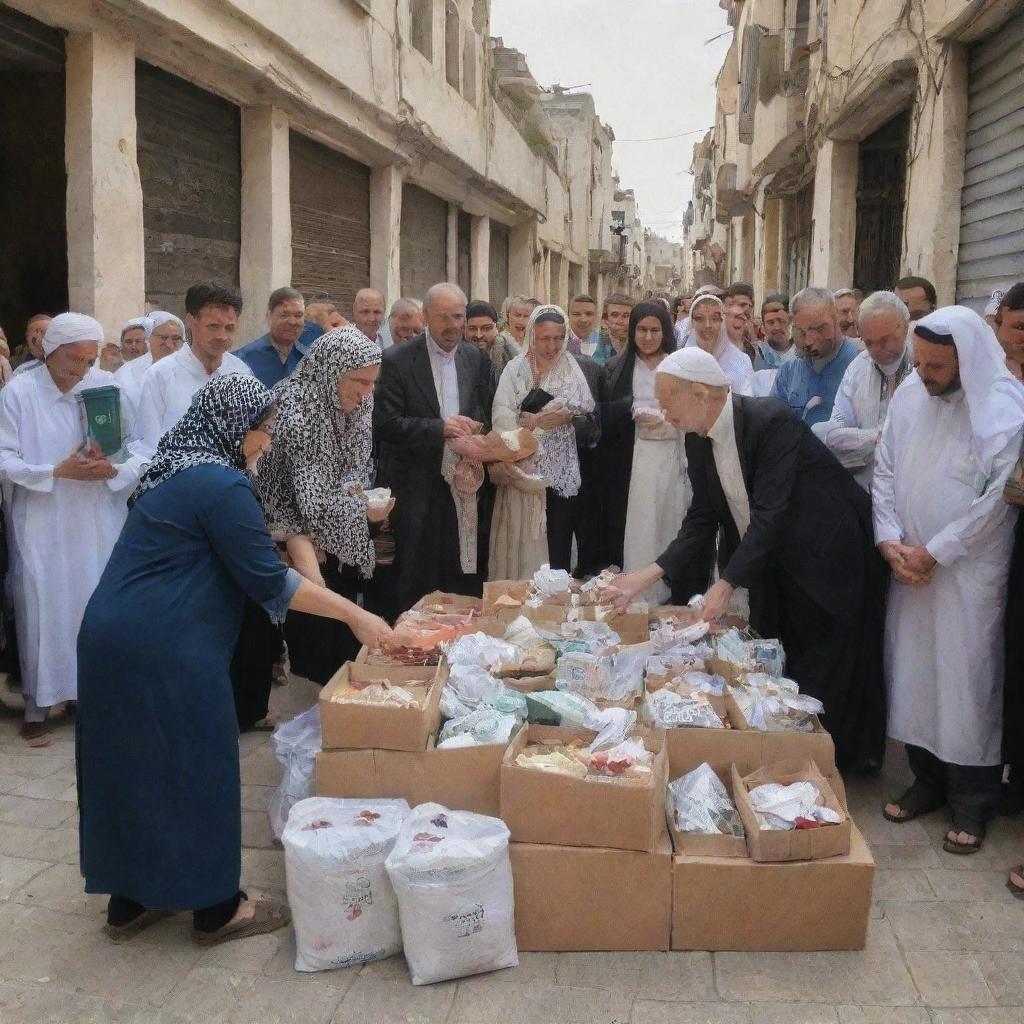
{"points": [[946, 942]]}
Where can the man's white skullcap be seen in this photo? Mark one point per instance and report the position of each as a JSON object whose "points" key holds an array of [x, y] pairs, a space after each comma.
{"points": [[67, 328], [139, 321], [696, 365]]}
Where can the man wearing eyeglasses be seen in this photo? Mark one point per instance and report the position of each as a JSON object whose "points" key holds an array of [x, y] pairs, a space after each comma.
{"points": [[808, 384]]}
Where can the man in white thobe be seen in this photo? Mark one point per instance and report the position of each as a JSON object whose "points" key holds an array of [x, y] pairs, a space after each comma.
{"points": [[68, 503], [951, 439], [868, 385], [169, 385]]}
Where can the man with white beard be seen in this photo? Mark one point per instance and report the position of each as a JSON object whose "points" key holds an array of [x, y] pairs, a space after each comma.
{"points": [[951, 439], [867, 387]]}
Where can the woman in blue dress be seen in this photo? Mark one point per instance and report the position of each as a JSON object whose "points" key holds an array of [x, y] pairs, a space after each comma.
{"points": [[158, 769]]}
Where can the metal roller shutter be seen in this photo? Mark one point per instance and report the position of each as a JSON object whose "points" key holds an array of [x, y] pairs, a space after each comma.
{"points": [[424, 240], [498, 272], [330, 202], [190, 164], [992, 215], [465, 251]]}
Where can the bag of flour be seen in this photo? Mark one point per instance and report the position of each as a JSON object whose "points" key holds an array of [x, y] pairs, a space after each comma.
{"points": [[343, 906], [453, 880]]}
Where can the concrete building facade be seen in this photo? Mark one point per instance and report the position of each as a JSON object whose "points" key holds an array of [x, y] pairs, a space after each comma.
{"points": [[366, 142], [856, 143]]}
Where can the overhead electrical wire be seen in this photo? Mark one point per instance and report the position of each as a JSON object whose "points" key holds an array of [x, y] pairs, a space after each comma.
{"points": [[665, 138]]}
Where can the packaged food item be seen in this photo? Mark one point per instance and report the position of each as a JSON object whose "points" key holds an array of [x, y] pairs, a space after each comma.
{"points": [[555, 707], [702, 804], [377, 497], [296, 744], [548, 582], [776, 705], [484, 726], [453, 880], [470, 687], [796, 806], [342, 901], [376, 691], [482, 650], [667, 709], [627, 762]]}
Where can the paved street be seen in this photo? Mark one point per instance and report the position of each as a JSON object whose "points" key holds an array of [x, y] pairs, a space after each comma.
{"points": [[946, 943]]}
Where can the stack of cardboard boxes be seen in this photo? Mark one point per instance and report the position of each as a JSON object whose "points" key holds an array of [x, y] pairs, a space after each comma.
{"points": [[596, 864]]}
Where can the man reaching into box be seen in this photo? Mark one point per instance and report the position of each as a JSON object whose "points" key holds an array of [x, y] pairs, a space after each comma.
{"points": [[795, 531]]}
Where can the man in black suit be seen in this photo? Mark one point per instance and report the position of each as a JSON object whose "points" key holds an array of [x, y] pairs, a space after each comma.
{"points": [[431, 390], [796, 532]]}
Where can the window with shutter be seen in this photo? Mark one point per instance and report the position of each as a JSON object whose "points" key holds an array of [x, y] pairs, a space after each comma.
{"points": [[748, 83]]}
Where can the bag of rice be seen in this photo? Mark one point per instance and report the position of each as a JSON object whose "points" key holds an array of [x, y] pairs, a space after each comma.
{"points": [[343, 906], [453, 880]]}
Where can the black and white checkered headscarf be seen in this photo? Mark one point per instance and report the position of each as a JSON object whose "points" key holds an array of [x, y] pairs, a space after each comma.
{"points": [[222, 412]]}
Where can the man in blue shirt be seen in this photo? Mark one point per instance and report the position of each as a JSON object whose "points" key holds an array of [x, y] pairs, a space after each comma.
{"points": [[808, 383], [273, 356]]}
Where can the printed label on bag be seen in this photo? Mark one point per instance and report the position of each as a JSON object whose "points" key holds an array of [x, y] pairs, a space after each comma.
{"points": [[466, 923], [358, 895]]}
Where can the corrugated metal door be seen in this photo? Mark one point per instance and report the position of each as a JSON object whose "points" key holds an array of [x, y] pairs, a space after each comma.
{"points": [[424, 240], [498, 271], [992, 216], [330, 203], [189, 151]]}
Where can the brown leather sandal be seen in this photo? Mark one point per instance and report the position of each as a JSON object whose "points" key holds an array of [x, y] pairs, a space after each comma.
{"points": [[124, 932], [268, 916]]}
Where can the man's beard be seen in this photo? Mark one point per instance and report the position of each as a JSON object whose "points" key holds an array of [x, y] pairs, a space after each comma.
{"points": [[951, 388]]}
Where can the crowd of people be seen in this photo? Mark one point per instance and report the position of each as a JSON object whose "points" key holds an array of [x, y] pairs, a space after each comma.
{"points": [[841, 469]]}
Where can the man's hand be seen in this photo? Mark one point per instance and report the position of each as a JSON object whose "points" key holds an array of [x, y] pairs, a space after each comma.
{"points": [[716, 600], [918, 561], [370, 630], [554, 418], [461, 426], [625, 587], [87, 466], [898, 556], [528, 420]]}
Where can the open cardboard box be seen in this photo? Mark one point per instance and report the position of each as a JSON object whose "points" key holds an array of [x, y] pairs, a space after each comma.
{"points": [[684, 615], [584, 898], [731, 903], [560, 810], [462, 778], [700, 844], [778, 845], [357, 726], [449, 604]]}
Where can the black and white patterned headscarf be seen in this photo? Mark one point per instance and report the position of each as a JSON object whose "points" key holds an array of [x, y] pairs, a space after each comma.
{"points": [[320, 452], [222, 412]]}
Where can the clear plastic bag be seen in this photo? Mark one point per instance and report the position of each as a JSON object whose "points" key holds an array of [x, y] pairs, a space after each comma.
{"points": [[669, 710], [482, 650], [550, 582], [296, 744], [702, 682], [342, 902], [572, 709], [453, 879], [471, 687], [702, 804], [612, 725], [616, 761], [483, 726]]}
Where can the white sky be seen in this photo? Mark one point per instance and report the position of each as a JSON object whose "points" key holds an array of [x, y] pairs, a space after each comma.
{"points": [[650, 74]]}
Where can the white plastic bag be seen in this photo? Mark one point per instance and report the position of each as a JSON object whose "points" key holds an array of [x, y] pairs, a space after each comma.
{"points": [[669, 710], [551, 582], [778, 806], [453, 879], [296, 744], [483, 726], [702, 804], [342, 902], [480, 649]]}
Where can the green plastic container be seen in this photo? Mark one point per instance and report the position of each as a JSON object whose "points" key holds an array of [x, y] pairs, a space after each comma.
{"points": [[101, 417]]}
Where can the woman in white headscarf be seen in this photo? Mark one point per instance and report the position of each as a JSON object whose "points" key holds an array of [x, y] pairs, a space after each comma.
{"points": [[708, 332], [545, 390], [165, 334]]}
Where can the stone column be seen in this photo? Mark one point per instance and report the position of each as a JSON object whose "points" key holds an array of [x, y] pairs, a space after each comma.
{"points": [[835, 215], [480, 266], [935, 177], [522, 248], [452, 258], [266, 256], [386, 231], [106, 259]]}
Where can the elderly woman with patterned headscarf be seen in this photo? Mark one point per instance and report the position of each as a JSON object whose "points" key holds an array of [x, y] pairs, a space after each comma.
{"points": [[546, 390], [312, 483], [158, 761]]}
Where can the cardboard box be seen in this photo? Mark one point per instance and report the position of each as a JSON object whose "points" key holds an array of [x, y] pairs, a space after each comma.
{"points": [[463, 778], [723, 903], [699, 844], [684, 615], [449, 604], [631, 627], [348, 726], [572, 898], [777, 845], [546, 807]]}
